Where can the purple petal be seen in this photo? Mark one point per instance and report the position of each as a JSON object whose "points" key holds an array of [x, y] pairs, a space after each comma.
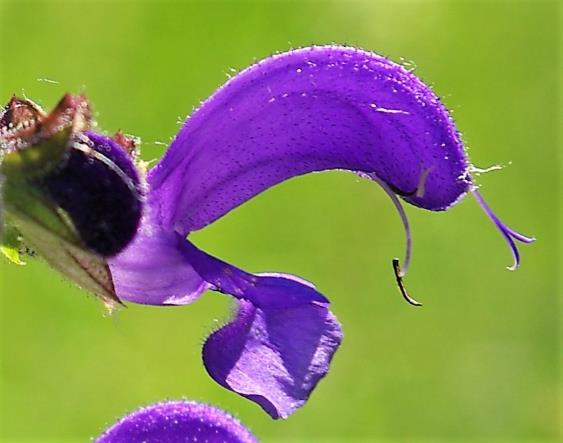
{"points": [[274, 357], [154, 269], [281, 341], [175, 422], [307, 110], [263, 290]]}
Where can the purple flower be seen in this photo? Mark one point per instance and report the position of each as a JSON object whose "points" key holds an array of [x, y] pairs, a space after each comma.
{"points": [[175, 422], [308, 110]]}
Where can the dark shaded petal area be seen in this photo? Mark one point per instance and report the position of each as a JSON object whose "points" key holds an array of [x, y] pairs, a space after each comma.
{"points": [[274, 357], [176, 422], [99, 188], [311, 109]]}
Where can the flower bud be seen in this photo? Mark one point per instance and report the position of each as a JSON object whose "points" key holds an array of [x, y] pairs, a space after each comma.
{"points": [[75, 196]]}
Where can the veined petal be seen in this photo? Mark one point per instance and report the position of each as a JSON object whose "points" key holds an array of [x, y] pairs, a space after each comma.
{"points": [[307, 110], [177, 421], [154, 268], [274, 357]]}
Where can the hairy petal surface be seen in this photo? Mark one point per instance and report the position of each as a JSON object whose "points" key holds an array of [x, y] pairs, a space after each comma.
{"points": [[311, 109], [177, 421], [274, 357]]}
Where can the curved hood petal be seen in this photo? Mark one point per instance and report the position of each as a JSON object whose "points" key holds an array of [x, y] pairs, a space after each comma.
{"points": [[312, 109]]}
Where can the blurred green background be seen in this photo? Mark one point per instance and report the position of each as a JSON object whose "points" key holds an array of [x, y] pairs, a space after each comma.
{"points": [[478, 363]]}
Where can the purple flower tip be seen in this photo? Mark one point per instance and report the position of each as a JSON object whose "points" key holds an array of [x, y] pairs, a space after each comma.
{"points": [[176, 422]]}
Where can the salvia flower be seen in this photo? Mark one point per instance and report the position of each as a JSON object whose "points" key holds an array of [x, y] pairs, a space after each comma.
{"points": [[177, 422], [307, 110]]}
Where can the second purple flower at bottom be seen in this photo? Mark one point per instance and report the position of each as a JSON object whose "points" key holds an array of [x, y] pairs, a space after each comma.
{"points": [[177, 422]]}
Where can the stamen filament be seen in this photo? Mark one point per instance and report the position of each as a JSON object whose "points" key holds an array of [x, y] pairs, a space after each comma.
{"points": [[400, 271], [420, 189], [406, 225]]}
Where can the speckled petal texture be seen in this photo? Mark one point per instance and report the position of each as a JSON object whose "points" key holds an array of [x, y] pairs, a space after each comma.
{"points": [[177, 422], [307, 110]]}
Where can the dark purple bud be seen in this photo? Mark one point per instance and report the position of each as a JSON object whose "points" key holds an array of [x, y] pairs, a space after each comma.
{"points": [[177, 421], [92, 178], [74, 196], [99, 188]]}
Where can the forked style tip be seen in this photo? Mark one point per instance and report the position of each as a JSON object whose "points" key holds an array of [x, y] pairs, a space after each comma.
{"points": [[509, 234]]}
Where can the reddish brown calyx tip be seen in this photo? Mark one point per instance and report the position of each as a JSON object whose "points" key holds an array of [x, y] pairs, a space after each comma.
{"points": [[130, 144], [71, 111], [19, 118], [23, 122]]}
